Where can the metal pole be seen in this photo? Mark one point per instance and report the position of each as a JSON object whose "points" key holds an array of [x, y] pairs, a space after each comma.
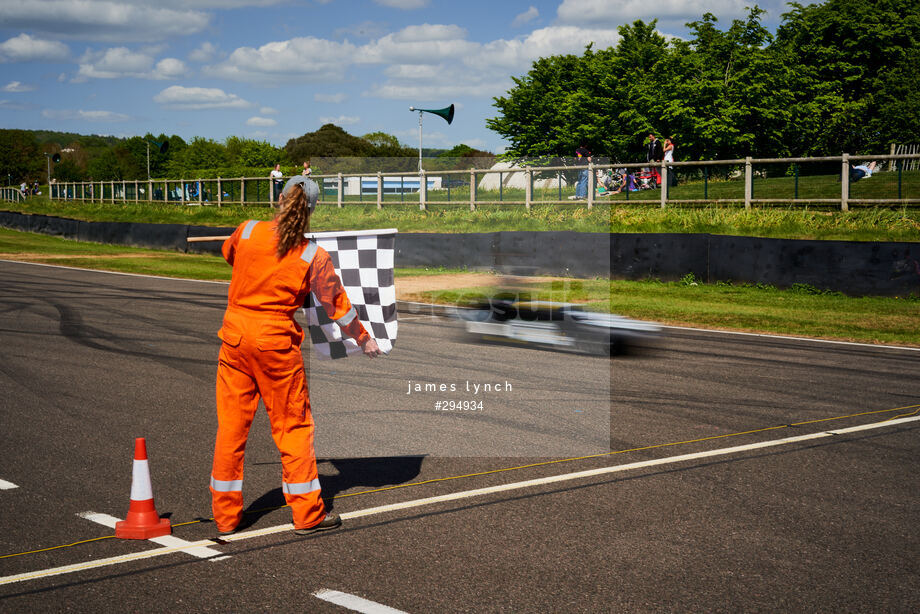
{"points": [[419, 141], [379, 190]]}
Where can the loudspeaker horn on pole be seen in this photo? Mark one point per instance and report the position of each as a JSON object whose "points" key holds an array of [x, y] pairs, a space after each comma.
{"points": [[56, 158], [164, 146], [447, 112]]}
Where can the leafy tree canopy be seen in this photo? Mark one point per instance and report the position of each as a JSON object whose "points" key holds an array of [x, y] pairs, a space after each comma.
{"points": [[840, 76]]}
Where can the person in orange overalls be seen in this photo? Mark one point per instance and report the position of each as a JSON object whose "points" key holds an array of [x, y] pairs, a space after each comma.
{"points": [[274, 269]]}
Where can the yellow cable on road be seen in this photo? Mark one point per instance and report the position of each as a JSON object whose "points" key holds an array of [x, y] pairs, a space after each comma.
{"points": [[916, 409]]}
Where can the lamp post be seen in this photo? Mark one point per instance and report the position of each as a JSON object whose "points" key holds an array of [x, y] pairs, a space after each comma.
{"points": [[51, 158], [447, 113]]}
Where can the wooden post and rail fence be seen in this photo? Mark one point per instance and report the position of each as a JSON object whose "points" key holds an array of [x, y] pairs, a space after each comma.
{"points": [[424, 185]]}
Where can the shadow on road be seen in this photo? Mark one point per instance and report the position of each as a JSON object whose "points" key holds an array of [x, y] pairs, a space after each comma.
{"points": [[350, 473]]}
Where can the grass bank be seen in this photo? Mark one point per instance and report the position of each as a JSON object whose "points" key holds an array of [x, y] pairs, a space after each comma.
{"points": [[802, 310], [860, 224]]}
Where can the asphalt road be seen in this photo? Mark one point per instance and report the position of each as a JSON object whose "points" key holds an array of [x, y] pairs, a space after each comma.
{"points": [[827, 522]]}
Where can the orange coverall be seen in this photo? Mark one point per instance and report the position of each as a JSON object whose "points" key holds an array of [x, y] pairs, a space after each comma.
{"points": [[260, 357]]}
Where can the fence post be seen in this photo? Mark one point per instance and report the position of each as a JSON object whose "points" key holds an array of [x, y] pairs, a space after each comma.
{"points": [[124, 192], [220, 193], [200, 190], [182, 191], [664, 185], [528, 189], [845, 182], [472, 190], [137, 196], [748, 182], [242, 190], [112, 188], [379, 190], [422, 189], [591, 185], [340, 194]]}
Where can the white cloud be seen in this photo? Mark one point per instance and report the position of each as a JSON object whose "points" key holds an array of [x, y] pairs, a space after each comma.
{"points": [[483, 69], [198, 98], [204, 53], [169, 68], [90, 116], [295, 60], [261, 121], [526, 17], [15, 106], [119, 62], [114, 63], [268, 111], [25, 48], [403, 4], [421, 44], [341, 120], [103, 20], [424, 62], [17, 87], [617, 12], [332, 98]]}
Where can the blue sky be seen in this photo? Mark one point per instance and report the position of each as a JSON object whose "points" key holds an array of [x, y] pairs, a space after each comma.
{"points": [[276, 69]]}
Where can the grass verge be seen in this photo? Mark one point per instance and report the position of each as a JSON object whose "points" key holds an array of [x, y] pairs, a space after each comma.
{"points": [[859, 224], [801, 310]]}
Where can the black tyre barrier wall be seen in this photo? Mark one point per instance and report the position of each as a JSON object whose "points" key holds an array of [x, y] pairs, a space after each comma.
{"points": [[852, 267]]}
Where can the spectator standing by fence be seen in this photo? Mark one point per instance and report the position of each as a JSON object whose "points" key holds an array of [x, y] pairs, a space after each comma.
{"points": [[582, 158], [307, 171], [654, 153], [276, 176], [669, 157]]}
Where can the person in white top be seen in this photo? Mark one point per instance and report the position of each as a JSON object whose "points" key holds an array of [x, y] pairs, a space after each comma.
{"points": [[669, 157], [306, 169], [276, 176]]}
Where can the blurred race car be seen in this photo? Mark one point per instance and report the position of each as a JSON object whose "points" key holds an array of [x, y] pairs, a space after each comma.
{"points": [[564, 326]]}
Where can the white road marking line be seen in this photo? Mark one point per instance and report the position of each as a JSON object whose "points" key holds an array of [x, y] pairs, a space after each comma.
{"points": [[4, 485], [44, 573], [73, 268], [170, 541], [791, 338], [355, 603]]}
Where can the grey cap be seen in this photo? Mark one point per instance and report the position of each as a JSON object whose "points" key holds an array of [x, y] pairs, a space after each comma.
{"points": [[310, 189]]}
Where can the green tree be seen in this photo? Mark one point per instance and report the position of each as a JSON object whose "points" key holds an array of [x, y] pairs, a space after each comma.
{"points": [[20, 157], [328, 141]]}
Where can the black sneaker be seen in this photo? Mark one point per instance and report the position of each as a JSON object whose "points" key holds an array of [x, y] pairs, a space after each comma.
{"points": [[331, 521]]}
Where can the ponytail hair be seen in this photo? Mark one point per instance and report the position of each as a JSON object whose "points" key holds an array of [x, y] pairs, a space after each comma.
{"points": [[293, 220]]}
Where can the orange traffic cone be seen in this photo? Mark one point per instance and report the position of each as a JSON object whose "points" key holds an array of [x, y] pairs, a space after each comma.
{"points": [[142, 522]]}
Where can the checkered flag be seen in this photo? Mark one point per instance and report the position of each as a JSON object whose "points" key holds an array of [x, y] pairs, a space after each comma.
{"points": [[363, 260]]}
